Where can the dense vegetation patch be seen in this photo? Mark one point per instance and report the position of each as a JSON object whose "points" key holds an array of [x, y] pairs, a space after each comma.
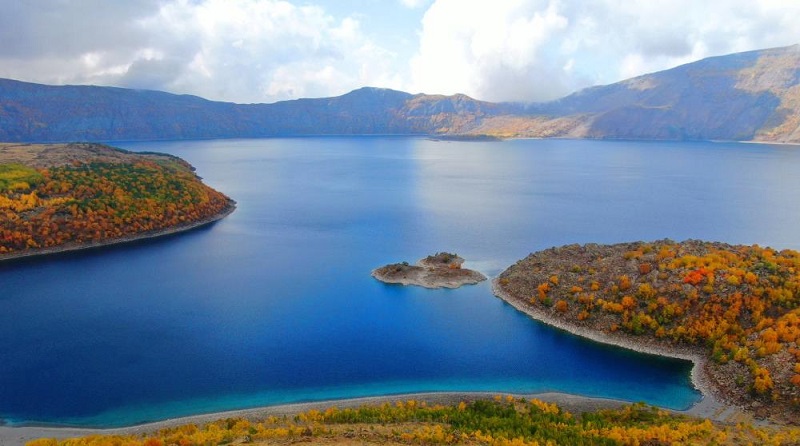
{"points": [[504, 421], [86, 202], [737, 305], [16, 177]]}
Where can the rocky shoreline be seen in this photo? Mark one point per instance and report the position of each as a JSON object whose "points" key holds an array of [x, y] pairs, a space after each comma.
{"points": [[711, 406], [73, 247], [727, 308], [441, 270]]}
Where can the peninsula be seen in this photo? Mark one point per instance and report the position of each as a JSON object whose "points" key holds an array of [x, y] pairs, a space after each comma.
{"points": [[65, 197], [732, 310], [441, 270]]}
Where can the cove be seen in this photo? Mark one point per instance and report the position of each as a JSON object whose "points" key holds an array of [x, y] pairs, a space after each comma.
{"points": [[275, 303]]}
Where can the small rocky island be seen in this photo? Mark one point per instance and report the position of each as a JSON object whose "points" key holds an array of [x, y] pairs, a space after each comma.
{"points": [[441, 270]]}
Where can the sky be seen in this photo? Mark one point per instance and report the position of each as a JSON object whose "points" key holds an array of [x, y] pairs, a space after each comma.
{"points": [[256, 51]]}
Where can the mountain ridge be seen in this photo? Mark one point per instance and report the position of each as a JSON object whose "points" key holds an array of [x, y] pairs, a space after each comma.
{"points": [[670, 104], [749, 96]]}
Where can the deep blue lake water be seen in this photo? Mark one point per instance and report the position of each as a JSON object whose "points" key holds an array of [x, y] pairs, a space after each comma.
{"points": [[275, 303]]}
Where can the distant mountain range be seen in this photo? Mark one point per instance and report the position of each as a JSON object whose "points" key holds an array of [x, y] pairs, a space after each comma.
{"points": [[744, 96]]}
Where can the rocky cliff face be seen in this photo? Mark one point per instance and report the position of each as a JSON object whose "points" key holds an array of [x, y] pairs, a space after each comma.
{"points": [[746, 96], [777, 72]]}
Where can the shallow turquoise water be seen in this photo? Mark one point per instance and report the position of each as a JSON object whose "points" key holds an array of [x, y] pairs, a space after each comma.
{"points": [[275, 304]]}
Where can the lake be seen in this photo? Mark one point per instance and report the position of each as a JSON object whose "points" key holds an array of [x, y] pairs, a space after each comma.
{"points": [[275, 303]]}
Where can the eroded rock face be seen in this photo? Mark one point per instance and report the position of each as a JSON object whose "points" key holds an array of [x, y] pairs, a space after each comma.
{"points": [[441, 270]]}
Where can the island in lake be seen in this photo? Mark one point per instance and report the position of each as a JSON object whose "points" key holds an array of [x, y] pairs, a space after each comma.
{"points": [[441, 270], [63, 197]]}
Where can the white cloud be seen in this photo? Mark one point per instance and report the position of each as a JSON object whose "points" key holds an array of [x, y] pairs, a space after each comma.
{"points": [[269, 50], [262, 51], [536, 50], [414, 3], [494, 51], [234, 50]]}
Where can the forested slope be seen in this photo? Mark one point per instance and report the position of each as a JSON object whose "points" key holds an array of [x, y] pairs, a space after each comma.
{"points": [[58, 197]]}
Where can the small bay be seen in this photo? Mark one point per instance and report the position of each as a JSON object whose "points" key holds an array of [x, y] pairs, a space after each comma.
{"points": [[275, 303]]}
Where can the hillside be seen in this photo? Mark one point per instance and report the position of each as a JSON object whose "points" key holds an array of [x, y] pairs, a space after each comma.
{"points": [[42, 113], [745, 96], [56, 197], [733, 309]]}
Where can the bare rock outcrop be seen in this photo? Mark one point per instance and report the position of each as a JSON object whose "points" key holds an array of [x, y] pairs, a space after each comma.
{"points": [[441, 270]]}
